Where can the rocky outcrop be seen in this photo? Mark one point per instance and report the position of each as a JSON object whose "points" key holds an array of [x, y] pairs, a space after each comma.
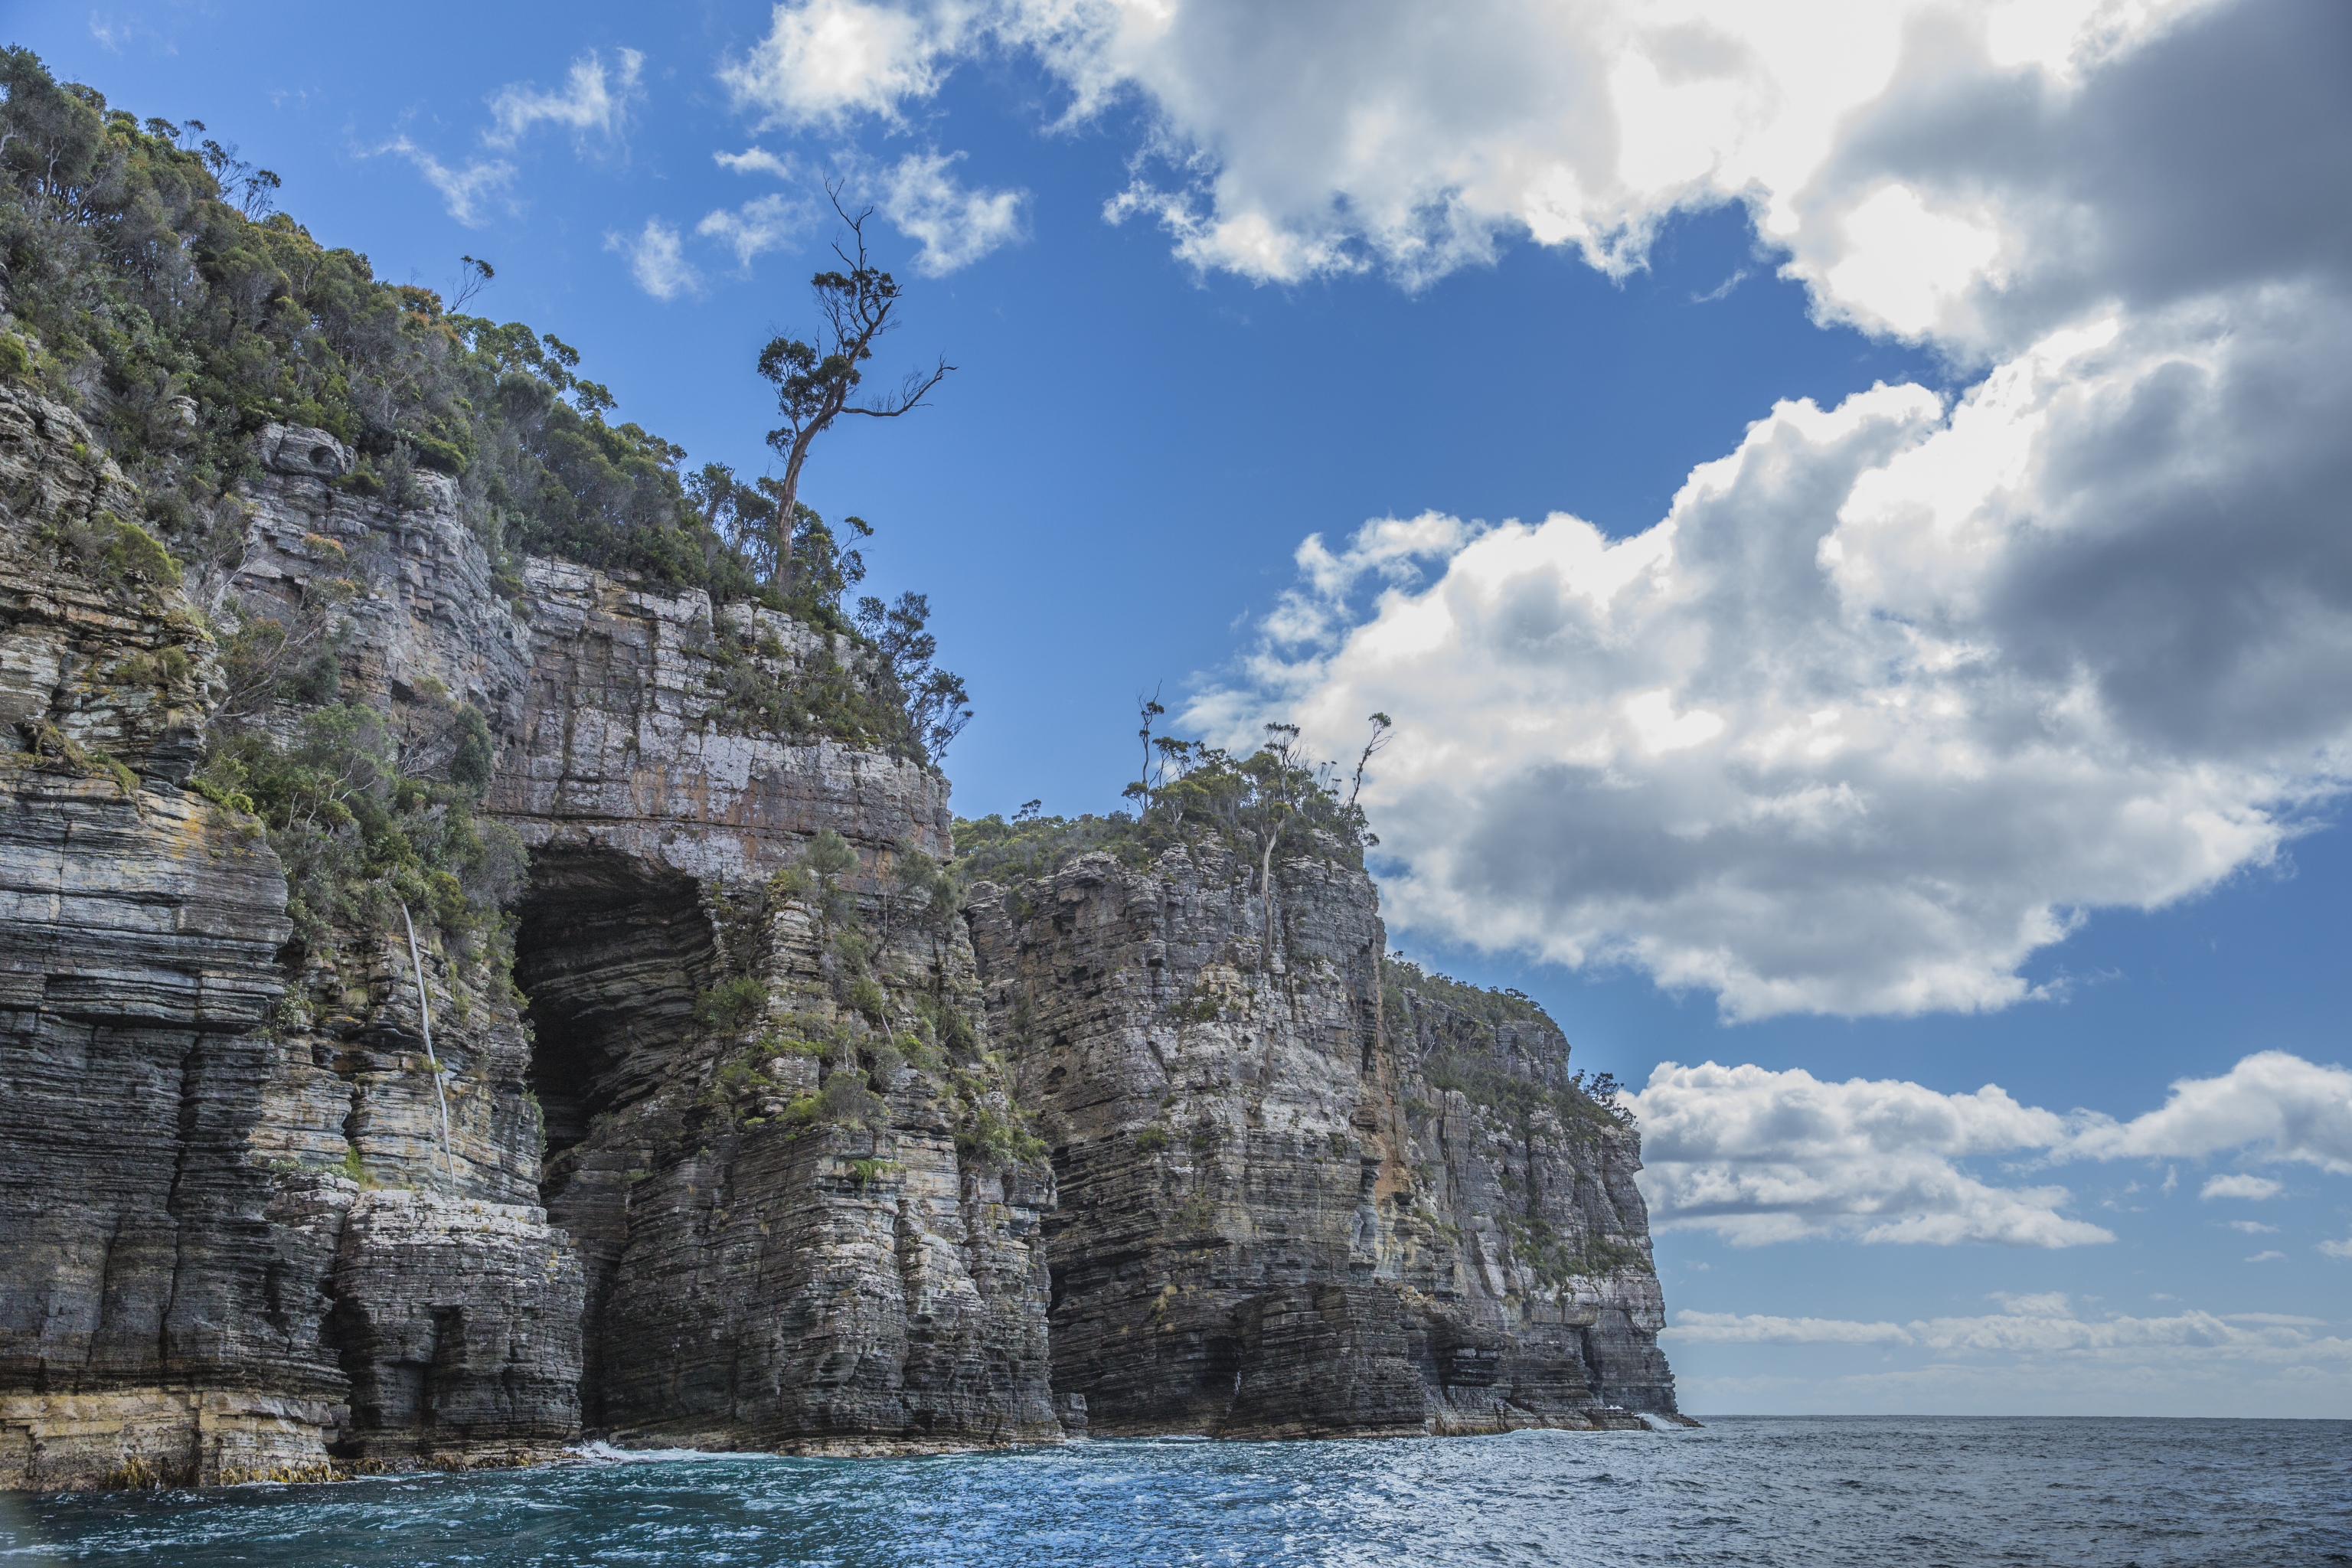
{"points": [[624, 742], [1305, 1192], [789, 1280], [763, 1268], [715, 1122], [460, 1320], [276, 1208]]}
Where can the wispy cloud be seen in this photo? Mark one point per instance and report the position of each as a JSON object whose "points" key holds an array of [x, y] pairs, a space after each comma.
{"points": [[766, 223], [757, 160], [1721, 290], [2041, 1324], [656, 259], [593, 102], [956, 225], [112, 34], [593, 105], [2241, 1187], [465, 192]]}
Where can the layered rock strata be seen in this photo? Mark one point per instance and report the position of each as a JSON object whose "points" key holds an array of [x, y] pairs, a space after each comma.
{"points": [[198, 1140], [275, 1209], [763, 1269], [1303, 1192], [731, 1153]]}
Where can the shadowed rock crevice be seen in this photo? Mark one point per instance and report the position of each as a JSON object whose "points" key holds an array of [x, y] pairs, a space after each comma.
{"points": [[611, 951]]}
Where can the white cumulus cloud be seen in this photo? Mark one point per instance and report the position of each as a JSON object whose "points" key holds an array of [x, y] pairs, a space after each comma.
{"points": [[1760, 1156], [1757, 1156], [1889, 697], [1900, 691], [1320, 137], [2273, 1102], [823, 61], [656, 259]]}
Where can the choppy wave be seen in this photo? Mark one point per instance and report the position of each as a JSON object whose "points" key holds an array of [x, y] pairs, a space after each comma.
{"points": [[1791, 1494]]}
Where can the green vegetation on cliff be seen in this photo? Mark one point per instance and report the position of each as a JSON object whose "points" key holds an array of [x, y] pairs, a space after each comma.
{"points": [[878, 1005], [145, 283], [1461, 1054], [1271, 806]]}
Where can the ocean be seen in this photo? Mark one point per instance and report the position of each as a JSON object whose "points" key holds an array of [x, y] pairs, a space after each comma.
{"points": [[1768, 1492]]}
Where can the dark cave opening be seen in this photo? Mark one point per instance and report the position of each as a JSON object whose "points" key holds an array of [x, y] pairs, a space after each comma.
{"points": [[610, 950]]}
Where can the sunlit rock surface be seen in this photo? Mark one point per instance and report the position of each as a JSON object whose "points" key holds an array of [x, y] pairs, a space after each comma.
{"points": [[1299, 1197], [740, 1155]]}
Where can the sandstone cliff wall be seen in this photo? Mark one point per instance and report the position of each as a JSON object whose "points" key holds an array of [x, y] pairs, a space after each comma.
{"points": [[235, 1237], [744, 1147], [1298, 1197], [202, 1275], [762, 1271]]}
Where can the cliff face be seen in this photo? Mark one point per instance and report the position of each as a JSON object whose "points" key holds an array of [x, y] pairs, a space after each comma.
{"points": [[243, 1229], [767, 1265], [138, 930], [1298, 1194], [698, 1112]]}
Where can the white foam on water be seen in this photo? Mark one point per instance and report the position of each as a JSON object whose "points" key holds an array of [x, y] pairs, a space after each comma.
{"points": [[600, 1452]]}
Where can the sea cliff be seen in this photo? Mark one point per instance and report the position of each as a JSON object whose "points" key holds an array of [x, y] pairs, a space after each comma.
{"points": [[486, 958], [1306, 1190], [717, 1111]]}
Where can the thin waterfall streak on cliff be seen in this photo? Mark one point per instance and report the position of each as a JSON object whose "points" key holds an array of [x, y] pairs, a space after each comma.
{"points": [[432, 1062]]}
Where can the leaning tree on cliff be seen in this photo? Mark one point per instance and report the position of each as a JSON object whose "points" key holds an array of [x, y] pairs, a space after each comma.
{"points": [[817, 383]]}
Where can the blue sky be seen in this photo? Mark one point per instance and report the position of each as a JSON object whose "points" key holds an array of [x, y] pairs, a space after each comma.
{"points": [[1986, 729]]}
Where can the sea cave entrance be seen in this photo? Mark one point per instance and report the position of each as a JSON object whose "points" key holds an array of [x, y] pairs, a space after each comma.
{"points": [[610, 950]]}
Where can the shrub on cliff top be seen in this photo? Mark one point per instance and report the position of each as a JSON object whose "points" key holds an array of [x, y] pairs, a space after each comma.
{"points": [[1267, 806]]}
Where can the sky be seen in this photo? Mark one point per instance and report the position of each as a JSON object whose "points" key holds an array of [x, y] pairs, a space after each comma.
{"points": [[1844, 503]]}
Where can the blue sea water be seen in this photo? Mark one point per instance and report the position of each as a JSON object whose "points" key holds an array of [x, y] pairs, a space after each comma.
{"points": [[1744, 1491]]}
